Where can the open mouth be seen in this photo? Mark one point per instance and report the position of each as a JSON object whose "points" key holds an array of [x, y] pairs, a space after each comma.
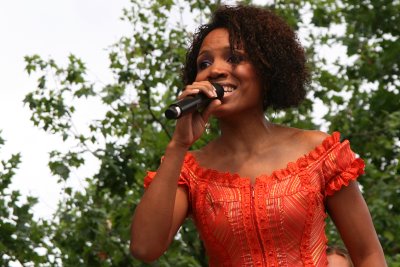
{"points": [[228, 89]]}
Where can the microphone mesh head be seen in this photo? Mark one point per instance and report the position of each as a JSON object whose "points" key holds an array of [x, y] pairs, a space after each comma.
{"points": [[172, 112]]}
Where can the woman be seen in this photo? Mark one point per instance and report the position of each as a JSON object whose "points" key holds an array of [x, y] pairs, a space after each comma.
{"points": [[338, 257], [257, 193]]}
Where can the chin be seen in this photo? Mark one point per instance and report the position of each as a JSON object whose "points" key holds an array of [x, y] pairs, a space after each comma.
{"points": [[225, 111]]}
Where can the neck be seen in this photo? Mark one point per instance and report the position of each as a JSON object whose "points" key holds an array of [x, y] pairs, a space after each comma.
{"points": [[245, 135]]}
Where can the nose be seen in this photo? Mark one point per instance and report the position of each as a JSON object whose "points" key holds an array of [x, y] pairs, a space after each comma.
{"points": [[219, 69]]}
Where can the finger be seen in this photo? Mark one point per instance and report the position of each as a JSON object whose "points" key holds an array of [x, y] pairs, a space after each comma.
{"points": [[188, 92], [205, 87], [210, 108]]}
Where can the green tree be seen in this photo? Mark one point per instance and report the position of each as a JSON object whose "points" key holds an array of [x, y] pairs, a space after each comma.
{"points": [[360, 91], [364, 104], [22, 238]]}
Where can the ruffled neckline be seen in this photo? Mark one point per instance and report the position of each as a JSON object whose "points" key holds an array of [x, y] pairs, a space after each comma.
{"points": [[292, 167]]}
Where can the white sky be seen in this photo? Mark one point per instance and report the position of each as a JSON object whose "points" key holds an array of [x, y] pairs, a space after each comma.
{"points": [[51, 29]]}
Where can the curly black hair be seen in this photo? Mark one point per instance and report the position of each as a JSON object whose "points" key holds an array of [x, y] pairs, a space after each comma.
{"points": [[272, 47]]}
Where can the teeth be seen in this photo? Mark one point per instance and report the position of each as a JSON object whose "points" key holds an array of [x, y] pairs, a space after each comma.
{"points": [[228, 89]]}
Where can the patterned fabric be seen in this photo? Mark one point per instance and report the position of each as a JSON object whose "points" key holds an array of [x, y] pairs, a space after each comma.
{"points": [[277, 221]]}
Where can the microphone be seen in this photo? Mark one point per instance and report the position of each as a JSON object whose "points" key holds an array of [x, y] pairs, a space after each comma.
{"points": [[192, 103]]}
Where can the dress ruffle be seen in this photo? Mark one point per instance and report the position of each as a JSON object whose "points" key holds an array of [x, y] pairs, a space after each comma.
{"points": [[351, 173], [202, 173], [303, 162], [149, 178], [233, 179]]}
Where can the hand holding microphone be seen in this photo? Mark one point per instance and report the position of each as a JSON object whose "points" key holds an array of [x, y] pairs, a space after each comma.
{"points": [[192, 103]]}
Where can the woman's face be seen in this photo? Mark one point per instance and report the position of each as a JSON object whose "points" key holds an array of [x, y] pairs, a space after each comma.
{"points": [[216, 63]]}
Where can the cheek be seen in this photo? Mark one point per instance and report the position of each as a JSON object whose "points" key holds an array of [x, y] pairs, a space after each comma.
{"points": [[248, 76], [200, 76], [246, 72]]}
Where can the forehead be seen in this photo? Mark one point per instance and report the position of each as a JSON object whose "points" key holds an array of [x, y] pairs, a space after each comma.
{"points": [[217, 38]]}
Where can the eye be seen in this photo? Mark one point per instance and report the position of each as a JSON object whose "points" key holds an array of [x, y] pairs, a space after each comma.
{"points": [[236, 58], [203, 64]]}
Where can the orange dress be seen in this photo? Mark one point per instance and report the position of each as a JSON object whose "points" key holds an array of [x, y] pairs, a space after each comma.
{"points": [[277, 221]]}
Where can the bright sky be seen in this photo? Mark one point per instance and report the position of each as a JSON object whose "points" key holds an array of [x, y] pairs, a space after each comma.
{"points": [[51, 29]]}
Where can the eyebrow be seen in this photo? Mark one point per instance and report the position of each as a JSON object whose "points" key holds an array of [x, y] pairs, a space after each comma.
{"points": [[207, 51]]}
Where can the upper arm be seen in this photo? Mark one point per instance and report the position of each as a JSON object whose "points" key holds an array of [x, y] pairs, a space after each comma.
{"points": [[350, 213], [181, 209]]}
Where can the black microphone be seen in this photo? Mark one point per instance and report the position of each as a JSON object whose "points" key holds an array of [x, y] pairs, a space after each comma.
{"points": [[192, 103]]}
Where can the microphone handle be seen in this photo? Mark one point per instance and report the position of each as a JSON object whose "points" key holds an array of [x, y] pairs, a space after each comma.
{"points": [[187, 105], [191, 103]]}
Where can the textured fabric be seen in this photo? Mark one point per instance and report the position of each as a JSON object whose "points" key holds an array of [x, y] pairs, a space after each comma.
{"points": [[277, 221]]}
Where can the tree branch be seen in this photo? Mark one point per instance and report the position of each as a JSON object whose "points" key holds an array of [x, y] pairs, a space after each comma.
{"points": [[147, 89]]}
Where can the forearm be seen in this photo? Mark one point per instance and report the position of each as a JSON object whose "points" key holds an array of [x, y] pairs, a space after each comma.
{"points": [[153, 217]]}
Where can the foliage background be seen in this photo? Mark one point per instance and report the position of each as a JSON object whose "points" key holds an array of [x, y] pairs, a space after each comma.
{"points": [[359, 90]]}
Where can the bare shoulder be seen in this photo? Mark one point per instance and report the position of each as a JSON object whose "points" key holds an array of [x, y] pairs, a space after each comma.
{"points": [[302, 140], [310, 139]]}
